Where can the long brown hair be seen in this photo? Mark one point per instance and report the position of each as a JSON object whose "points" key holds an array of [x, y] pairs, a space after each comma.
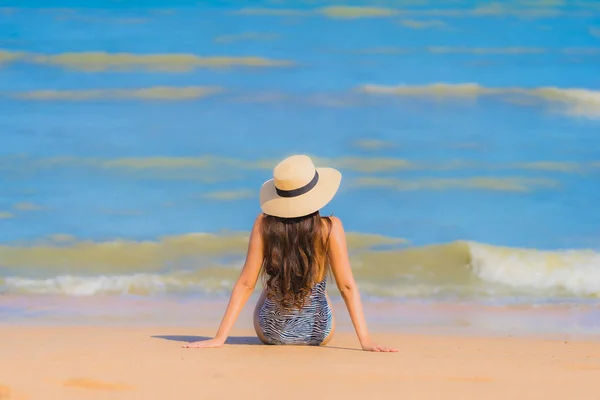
{"points": [[295, 256]]}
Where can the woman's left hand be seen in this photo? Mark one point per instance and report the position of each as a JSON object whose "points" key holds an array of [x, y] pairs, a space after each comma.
{"points": [[204, 344]]}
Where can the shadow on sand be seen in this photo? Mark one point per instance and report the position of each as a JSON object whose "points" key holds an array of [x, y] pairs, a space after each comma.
{"points": [[235, 340], [247, 340]]}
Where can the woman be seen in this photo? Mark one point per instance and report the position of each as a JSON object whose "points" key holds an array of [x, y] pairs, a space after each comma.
{"points": [[293, 247]]}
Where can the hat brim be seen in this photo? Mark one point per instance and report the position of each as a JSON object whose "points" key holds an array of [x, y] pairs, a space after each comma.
{"points": [[291, 207]]}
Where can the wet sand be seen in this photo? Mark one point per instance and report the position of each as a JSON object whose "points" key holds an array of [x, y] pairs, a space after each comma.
{"points": [[116, 362]]}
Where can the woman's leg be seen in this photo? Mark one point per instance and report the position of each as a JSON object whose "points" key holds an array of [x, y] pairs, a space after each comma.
{"points": [[257, 308]]}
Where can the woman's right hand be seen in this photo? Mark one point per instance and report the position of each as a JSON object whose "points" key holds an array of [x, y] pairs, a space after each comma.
{"points": [[379, 349]]}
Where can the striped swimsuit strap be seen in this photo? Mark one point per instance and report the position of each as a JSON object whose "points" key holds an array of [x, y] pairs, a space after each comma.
{"points": [[310, 324]]}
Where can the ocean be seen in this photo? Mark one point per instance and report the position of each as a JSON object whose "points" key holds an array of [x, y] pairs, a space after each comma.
{"points": [[208, 265], [135, 137]]}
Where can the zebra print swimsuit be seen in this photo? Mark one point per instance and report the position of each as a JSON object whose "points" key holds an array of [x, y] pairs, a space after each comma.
{"points": [[309, 325]]}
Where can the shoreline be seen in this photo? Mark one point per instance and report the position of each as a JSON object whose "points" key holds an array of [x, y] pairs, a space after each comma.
{"points": [[383, 316]]}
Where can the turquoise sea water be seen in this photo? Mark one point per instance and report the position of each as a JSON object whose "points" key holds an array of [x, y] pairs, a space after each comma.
{"points": [[127, 127]]}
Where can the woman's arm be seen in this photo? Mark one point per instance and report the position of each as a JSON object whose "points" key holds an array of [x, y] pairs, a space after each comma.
{"points": [[340, 265], [242, 289]]}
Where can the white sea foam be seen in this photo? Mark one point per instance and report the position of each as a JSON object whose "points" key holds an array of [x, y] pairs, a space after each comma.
{"points": [[573, 272], [141, 284]]}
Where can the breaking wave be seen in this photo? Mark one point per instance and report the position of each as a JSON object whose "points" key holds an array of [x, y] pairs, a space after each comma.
{"points": [[459, 270]]}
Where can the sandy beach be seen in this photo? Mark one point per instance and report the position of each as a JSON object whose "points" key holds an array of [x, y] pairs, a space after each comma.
{"points": [[108, 362]]}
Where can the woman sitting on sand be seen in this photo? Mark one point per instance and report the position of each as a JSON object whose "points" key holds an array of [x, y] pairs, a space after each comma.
{"points": [[293, 246]]}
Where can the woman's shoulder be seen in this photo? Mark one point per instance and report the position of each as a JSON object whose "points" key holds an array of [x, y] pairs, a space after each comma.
{"points": [[258, 221], [333, 225], [333, 219]]}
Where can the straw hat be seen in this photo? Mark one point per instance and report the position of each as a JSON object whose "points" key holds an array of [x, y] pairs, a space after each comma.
{"points": [[298, 188]]}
